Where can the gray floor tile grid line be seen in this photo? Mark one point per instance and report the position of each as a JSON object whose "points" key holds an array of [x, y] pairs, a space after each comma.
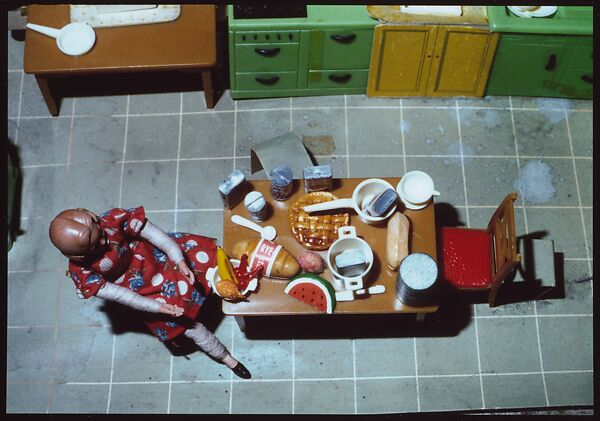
{"points": [[348, 172]]}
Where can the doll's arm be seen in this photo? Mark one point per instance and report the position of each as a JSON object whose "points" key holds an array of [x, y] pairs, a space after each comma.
{"points": [[161, 240], [131, 299]]}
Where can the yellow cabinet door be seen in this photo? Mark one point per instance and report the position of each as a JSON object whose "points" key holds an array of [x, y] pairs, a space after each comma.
{"points": [[400, 60], [461, 61]]}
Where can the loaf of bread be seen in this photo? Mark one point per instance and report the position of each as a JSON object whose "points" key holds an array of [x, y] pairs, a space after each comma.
{"points": [[277, 261], [397, 240]]}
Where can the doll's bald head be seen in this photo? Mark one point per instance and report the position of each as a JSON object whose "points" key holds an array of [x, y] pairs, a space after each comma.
{"points": [[76, 233]]}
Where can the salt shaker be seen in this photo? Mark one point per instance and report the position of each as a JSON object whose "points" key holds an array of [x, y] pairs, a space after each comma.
{"points": [[281, 182], [256, 205]]}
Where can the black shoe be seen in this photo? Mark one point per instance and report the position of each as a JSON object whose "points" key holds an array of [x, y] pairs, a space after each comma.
{"points": [[240, 370]]}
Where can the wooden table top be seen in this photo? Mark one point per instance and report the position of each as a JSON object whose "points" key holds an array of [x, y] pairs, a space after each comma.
{"points": [[187, 42], [270, 298]]}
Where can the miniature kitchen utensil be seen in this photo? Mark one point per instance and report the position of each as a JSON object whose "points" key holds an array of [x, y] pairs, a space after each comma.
{"points": [[268, 232], [349, 295], [366, 189], [415, 189], [348, 241], [74, 39], [315, 232]]}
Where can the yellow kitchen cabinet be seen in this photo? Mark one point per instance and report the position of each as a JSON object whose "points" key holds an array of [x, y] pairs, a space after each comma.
{"points": [[430, 60]]}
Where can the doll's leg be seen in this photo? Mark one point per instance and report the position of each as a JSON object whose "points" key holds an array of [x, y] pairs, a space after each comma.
{"points": [[210, 344]]}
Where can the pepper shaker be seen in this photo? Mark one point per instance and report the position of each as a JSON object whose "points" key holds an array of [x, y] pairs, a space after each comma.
{"points": [[281, 182]]}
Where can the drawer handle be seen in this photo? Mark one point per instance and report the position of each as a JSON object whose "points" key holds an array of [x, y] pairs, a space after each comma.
{"points": [[551, 62], [267, 52], [341, 78], [587, 78], [343, 39], [268, 80]]}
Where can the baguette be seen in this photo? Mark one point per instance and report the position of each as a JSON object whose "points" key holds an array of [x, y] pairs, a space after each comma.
{"points": [[284, 266], [397, 240]]}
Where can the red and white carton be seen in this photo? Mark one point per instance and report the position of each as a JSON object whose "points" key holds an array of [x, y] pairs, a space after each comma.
{"points": [[264, 255]]}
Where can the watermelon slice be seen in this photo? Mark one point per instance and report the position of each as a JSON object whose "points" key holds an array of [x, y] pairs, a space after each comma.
{"points": [[313, 290]]}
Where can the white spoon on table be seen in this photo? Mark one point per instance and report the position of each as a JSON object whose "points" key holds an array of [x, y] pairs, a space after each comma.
{"points": [[268, 232]]}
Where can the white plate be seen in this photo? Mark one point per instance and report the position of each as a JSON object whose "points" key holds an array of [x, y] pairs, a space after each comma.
{"points": [[542, 12], [212, 276]]}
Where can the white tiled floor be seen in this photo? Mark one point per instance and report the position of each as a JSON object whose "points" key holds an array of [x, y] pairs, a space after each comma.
{"points": [[168, 152]]}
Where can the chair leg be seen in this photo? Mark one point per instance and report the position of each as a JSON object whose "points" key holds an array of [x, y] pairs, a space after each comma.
{"points": [[493, 293]]}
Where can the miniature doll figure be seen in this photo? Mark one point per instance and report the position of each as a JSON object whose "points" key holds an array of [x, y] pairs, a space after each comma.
{"points": [[121, 256]]}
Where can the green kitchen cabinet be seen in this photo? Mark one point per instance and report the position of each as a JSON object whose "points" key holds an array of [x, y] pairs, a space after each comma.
{"points": [[548, 57], [542, 65], [325, 53]]}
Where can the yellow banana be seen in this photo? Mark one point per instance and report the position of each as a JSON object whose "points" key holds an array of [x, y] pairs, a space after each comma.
{"points": [[224, 266]]}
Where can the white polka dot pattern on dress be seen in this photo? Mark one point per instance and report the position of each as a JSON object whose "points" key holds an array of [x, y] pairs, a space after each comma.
{"points": [[157, 279], [202, 257], [183, 287], [135, 224], [105, 264]]}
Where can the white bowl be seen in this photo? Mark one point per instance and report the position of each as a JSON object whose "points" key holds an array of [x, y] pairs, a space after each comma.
{"points": [[371, 186]]}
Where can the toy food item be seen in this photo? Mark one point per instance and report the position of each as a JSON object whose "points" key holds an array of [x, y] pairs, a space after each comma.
{"points": [[233, 189], [397, 240], [276, 261], [225, 267], [244, 276], [315, 231], [228, 290], [311, 262], [313, 290], [318, 178]]}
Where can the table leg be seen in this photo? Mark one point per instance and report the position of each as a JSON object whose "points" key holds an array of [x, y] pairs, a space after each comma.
{"points": [[420, 317], [207, 85], [241, 322], [51, 101]]}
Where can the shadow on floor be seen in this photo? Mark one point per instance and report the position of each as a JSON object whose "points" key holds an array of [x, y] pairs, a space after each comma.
{"points": [[124, 320]]}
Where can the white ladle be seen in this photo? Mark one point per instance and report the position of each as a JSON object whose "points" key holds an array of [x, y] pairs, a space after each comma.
{"points": [[74, 39], [268, 232]]}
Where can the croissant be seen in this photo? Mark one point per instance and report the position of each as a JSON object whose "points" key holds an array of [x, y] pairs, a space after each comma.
{"points": [[277, 261]]}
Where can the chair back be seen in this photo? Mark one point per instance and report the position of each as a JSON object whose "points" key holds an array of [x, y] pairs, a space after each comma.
{"points": [[501, 228]]}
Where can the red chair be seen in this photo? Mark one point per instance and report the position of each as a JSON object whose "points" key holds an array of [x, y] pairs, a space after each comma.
{"points": [[479, 259]]}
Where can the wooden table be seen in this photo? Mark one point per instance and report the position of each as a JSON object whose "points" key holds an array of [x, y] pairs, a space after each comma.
{"points": [[185, 44], [270, 300]]}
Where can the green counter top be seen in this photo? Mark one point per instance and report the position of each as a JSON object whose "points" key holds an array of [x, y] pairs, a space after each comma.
{"points": [[317, 16], [571, 20]]}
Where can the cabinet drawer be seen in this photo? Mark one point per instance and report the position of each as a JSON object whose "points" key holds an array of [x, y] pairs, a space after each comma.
{"points": [[576, 83], [266, 57], [337, 78], [266, 37], [582, 55], [266, 81], [340, 49]]}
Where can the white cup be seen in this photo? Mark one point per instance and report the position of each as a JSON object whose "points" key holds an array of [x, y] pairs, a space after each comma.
{"points": [[348, 241], [415, 189]]}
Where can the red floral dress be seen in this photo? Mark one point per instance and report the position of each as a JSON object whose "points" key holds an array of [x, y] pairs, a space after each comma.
{"points": [[132, 262]]}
